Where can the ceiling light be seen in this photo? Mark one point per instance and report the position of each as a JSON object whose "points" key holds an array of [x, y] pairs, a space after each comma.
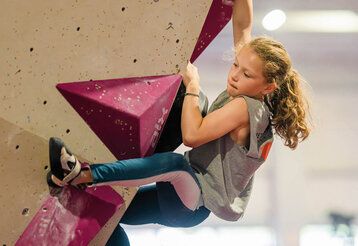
{"points": [[274, 20]]}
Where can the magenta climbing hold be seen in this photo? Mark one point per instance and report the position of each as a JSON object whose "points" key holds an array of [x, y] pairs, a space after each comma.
{"points": [[127, 114], [219, 15], [72, 217]]}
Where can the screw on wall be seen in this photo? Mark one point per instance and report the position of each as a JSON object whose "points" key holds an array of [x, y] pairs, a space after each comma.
{"points": [[25, 211]]}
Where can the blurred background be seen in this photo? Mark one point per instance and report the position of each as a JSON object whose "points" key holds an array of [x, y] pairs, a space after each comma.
{"points": [[308, 196]]}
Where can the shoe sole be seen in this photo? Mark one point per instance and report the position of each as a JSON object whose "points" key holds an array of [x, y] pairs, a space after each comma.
{"points": [[55, 146], [50, 181]]}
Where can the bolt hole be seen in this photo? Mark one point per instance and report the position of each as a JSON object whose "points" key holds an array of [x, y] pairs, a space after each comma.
{"points": [[78, 28], [25, 211], [135, 60], [17, 146], [123, 8], [46, 167], [177, 41], [31, 49], [68, 131], [45, 102]]}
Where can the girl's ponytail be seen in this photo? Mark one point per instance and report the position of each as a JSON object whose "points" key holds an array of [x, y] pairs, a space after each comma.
{"points": [[287, 103], [289, 110]]}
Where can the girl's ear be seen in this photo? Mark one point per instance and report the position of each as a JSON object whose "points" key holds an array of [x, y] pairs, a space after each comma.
{"points": [[270, 87]]}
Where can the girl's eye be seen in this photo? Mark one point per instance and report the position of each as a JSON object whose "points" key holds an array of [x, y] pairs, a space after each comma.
{"points": [[246, 75], [235, 64]]}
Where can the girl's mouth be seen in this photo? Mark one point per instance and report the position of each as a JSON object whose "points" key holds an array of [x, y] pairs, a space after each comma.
{"points": [[233, 86]]}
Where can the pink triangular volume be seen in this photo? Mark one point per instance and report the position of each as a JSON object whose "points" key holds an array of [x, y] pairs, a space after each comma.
{"points": [[127, 114], [72, 217], [219, 15]]}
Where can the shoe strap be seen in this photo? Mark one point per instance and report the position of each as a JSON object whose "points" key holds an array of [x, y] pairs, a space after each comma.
{"points": [[61, 183], [57, 181], [73, 174]]}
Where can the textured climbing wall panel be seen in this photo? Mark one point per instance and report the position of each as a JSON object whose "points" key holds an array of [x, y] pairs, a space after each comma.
{"points": [[45, 43], [23, 164], [23, 167]]}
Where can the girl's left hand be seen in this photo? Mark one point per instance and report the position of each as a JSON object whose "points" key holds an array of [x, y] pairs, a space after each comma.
{"points": [[228, 2], [190, 75]]}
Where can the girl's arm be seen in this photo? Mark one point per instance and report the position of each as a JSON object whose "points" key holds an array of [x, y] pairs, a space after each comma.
{"points": [[197, 130], [242, 17]]}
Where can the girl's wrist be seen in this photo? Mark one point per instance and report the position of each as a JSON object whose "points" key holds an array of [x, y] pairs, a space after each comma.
{"points": [[193, 87]]}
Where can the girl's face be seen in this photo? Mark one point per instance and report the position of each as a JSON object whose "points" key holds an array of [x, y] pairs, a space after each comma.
{"points": [[246, 75]]}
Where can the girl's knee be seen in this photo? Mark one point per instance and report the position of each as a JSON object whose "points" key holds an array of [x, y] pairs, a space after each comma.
{"points": [[180, 162], [172, 158], [170, 161]]}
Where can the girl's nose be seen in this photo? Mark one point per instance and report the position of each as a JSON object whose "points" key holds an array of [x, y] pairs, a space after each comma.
{"points": [[235, 76]]}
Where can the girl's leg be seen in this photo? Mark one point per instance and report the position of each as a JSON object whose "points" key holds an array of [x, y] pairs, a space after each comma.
{"points": [[118, 238], [172, 201], [157, 204], [163, 167], [143, 209]]}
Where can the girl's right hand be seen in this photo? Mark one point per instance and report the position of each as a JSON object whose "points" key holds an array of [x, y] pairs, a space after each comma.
{"points": [[190, 75]]}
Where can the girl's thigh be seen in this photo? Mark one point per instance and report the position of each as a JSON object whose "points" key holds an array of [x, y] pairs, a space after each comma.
{"points": [[174, 212], [159, 204], [144, 208]]}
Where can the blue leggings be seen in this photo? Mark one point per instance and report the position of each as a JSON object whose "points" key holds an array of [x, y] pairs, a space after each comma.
{"points": [[172, 201]]}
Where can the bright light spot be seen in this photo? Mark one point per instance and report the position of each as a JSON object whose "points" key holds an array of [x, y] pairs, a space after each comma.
{"points": [[313, 235], [246, 236], [208, 236], [323, 21], [142, 237], [274, 20], [179, 237]]}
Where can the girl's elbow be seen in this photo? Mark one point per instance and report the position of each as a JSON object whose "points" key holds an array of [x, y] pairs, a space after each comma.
{"points": [[189, 141], [186, 141]]}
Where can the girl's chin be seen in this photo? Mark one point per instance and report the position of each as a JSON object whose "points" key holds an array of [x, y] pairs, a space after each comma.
{"points": [[231, 91]]}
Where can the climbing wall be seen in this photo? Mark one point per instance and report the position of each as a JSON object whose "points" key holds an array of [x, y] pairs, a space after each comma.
{"points": [[23, 167], [46, 43]]}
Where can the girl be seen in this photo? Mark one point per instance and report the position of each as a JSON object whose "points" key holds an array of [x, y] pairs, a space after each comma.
{"points": [[262, 97]]}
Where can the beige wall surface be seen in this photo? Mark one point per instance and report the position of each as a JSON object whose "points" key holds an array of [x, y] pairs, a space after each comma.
{"points": [[43, 43], [23, 168]]}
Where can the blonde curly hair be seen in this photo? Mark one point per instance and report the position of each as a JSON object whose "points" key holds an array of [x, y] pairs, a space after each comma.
{"points": [[287, 103]]}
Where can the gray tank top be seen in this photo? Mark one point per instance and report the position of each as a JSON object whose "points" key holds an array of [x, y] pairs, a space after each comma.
{"points": [[226, 169]]}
